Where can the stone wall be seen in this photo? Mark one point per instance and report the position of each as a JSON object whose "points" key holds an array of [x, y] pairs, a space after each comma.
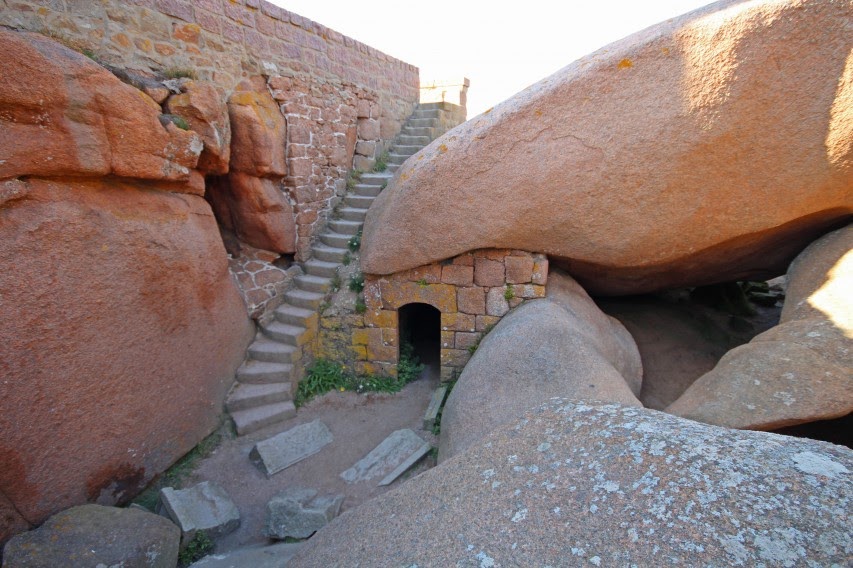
{"points": [[333, 92], [472, 291], [222, 41]]}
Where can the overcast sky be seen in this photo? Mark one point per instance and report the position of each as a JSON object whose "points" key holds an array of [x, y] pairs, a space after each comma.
{"points": [[502, 47]]}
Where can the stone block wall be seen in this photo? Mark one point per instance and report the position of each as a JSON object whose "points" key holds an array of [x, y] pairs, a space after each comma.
{"points": [[472, 291], [222, 41]]}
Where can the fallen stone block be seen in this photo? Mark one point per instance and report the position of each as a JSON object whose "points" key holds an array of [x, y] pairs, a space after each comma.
{"points": [[393, 451], [292, 446], [403, 467], [273, 556], [434, 406], [203, 507], [94, 535], [299, 513]]}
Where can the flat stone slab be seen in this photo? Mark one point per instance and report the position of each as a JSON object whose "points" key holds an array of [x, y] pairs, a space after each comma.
{"points": [[299, 513], [393, 451], [434, 406], [203, 507], [292, 446], [273, 556], [403, 467]]}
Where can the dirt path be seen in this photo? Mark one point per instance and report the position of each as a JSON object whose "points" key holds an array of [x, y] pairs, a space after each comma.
{"points": [[357, 422]]}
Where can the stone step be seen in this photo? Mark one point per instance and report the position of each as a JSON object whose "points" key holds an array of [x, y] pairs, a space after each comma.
{"points": [[359, 201], [264, 349], [420, 122], [393, 167], [353, 214], [375, 178], [321, 268], [294, 315], [397, 159], [328, 254], [405, 150], [336, 240], [304, 299], [313, 283], [345, 227], [253, 419], [245, 396], [367, 189], [425, 131], [407, 140], [264, 372], [286, 333], [426, 113]]}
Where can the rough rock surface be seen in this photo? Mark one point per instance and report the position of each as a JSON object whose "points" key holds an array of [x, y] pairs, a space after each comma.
{"points": [[250, 201], [606, 485], [799, 371], [116, 287], [677, 156], [299, 513], [93, 535], [204, 109], [65, 115], [560, 346]]}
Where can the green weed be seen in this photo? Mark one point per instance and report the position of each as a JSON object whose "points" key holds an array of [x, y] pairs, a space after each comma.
{"points": [[179, 73], [355, 242], [347, 260], [360, 306], [381, 163], [356, 282], [509, 293], [199, 547]]}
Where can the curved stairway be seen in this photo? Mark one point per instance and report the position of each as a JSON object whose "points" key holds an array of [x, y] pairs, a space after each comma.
{"points": [[266, 382]]}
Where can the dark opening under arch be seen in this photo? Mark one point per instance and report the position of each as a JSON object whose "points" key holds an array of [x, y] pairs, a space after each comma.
{"points": [[420, 325]]}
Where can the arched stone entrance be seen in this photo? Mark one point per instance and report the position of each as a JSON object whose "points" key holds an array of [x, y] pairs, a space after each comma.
{"points": [[420, 326]]}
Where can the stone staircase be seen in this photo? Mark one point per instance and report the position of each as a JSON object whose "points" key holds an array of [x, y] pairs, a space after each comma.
{"points": [[267, 380]]}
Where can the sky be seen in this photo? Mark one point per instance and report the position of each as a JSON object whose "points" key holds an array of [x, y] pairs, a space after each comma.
{"points": [[502, 47]]}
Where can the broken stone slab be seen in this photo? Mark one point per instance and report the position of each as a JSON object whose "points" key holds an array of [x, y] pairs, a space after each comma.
{"points": [[386, 457], [299, 513], [203, 507], [434, 406], [273, 556], [292, 446], [403, 467], [94, 535]]}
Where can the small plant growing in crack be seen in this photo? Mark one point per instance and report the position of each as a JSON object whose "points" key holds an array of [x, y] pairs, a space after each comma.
{"points": [[179, 73], [324, 306], [353, 178], [356, 283], [383, 186], [509, 293], [336, 283], [347, 259], [422, 283], [360, 306], [355, 242], [381, 163]]}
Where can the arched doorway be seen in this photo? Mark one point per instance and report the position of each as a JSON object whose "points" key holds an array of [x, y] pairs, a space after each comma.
{"points": [[420, 326]]}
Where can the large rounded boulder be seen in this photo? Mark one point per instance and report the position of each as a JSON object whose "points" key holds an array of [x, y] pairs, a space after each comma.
{"points": [[709, 148], [562, 345]]}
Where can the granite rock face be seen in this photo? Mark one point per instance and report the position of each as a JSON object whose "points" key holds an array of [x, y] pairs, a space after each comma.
{"points": [[93, 535], [677, 156], [562, 345], [608, 485], [251, 201], [65, 115], [122, 328], [799, 371], [204, 109]]}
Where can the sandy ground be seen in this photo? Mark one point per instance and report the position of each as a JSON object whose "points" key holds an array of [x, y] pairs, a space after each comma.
{"points": [[358, 424]]}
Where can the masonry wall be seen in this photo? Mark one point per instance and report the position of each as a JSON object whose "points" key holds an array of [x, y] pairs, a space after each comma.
{"points": [[473, 291], [223, 41]]}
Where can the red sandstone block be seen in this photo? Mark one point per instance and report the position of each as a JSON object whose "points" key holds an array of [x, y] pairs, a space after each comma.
{"points": [[232, 30], [488, 272], [471, 300], [464, 260], [213, 6], [430, 274], [265, 24], [240, 14], [519, 269], [271, 10], [457, 274], [208, 21], [178, 8]]}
